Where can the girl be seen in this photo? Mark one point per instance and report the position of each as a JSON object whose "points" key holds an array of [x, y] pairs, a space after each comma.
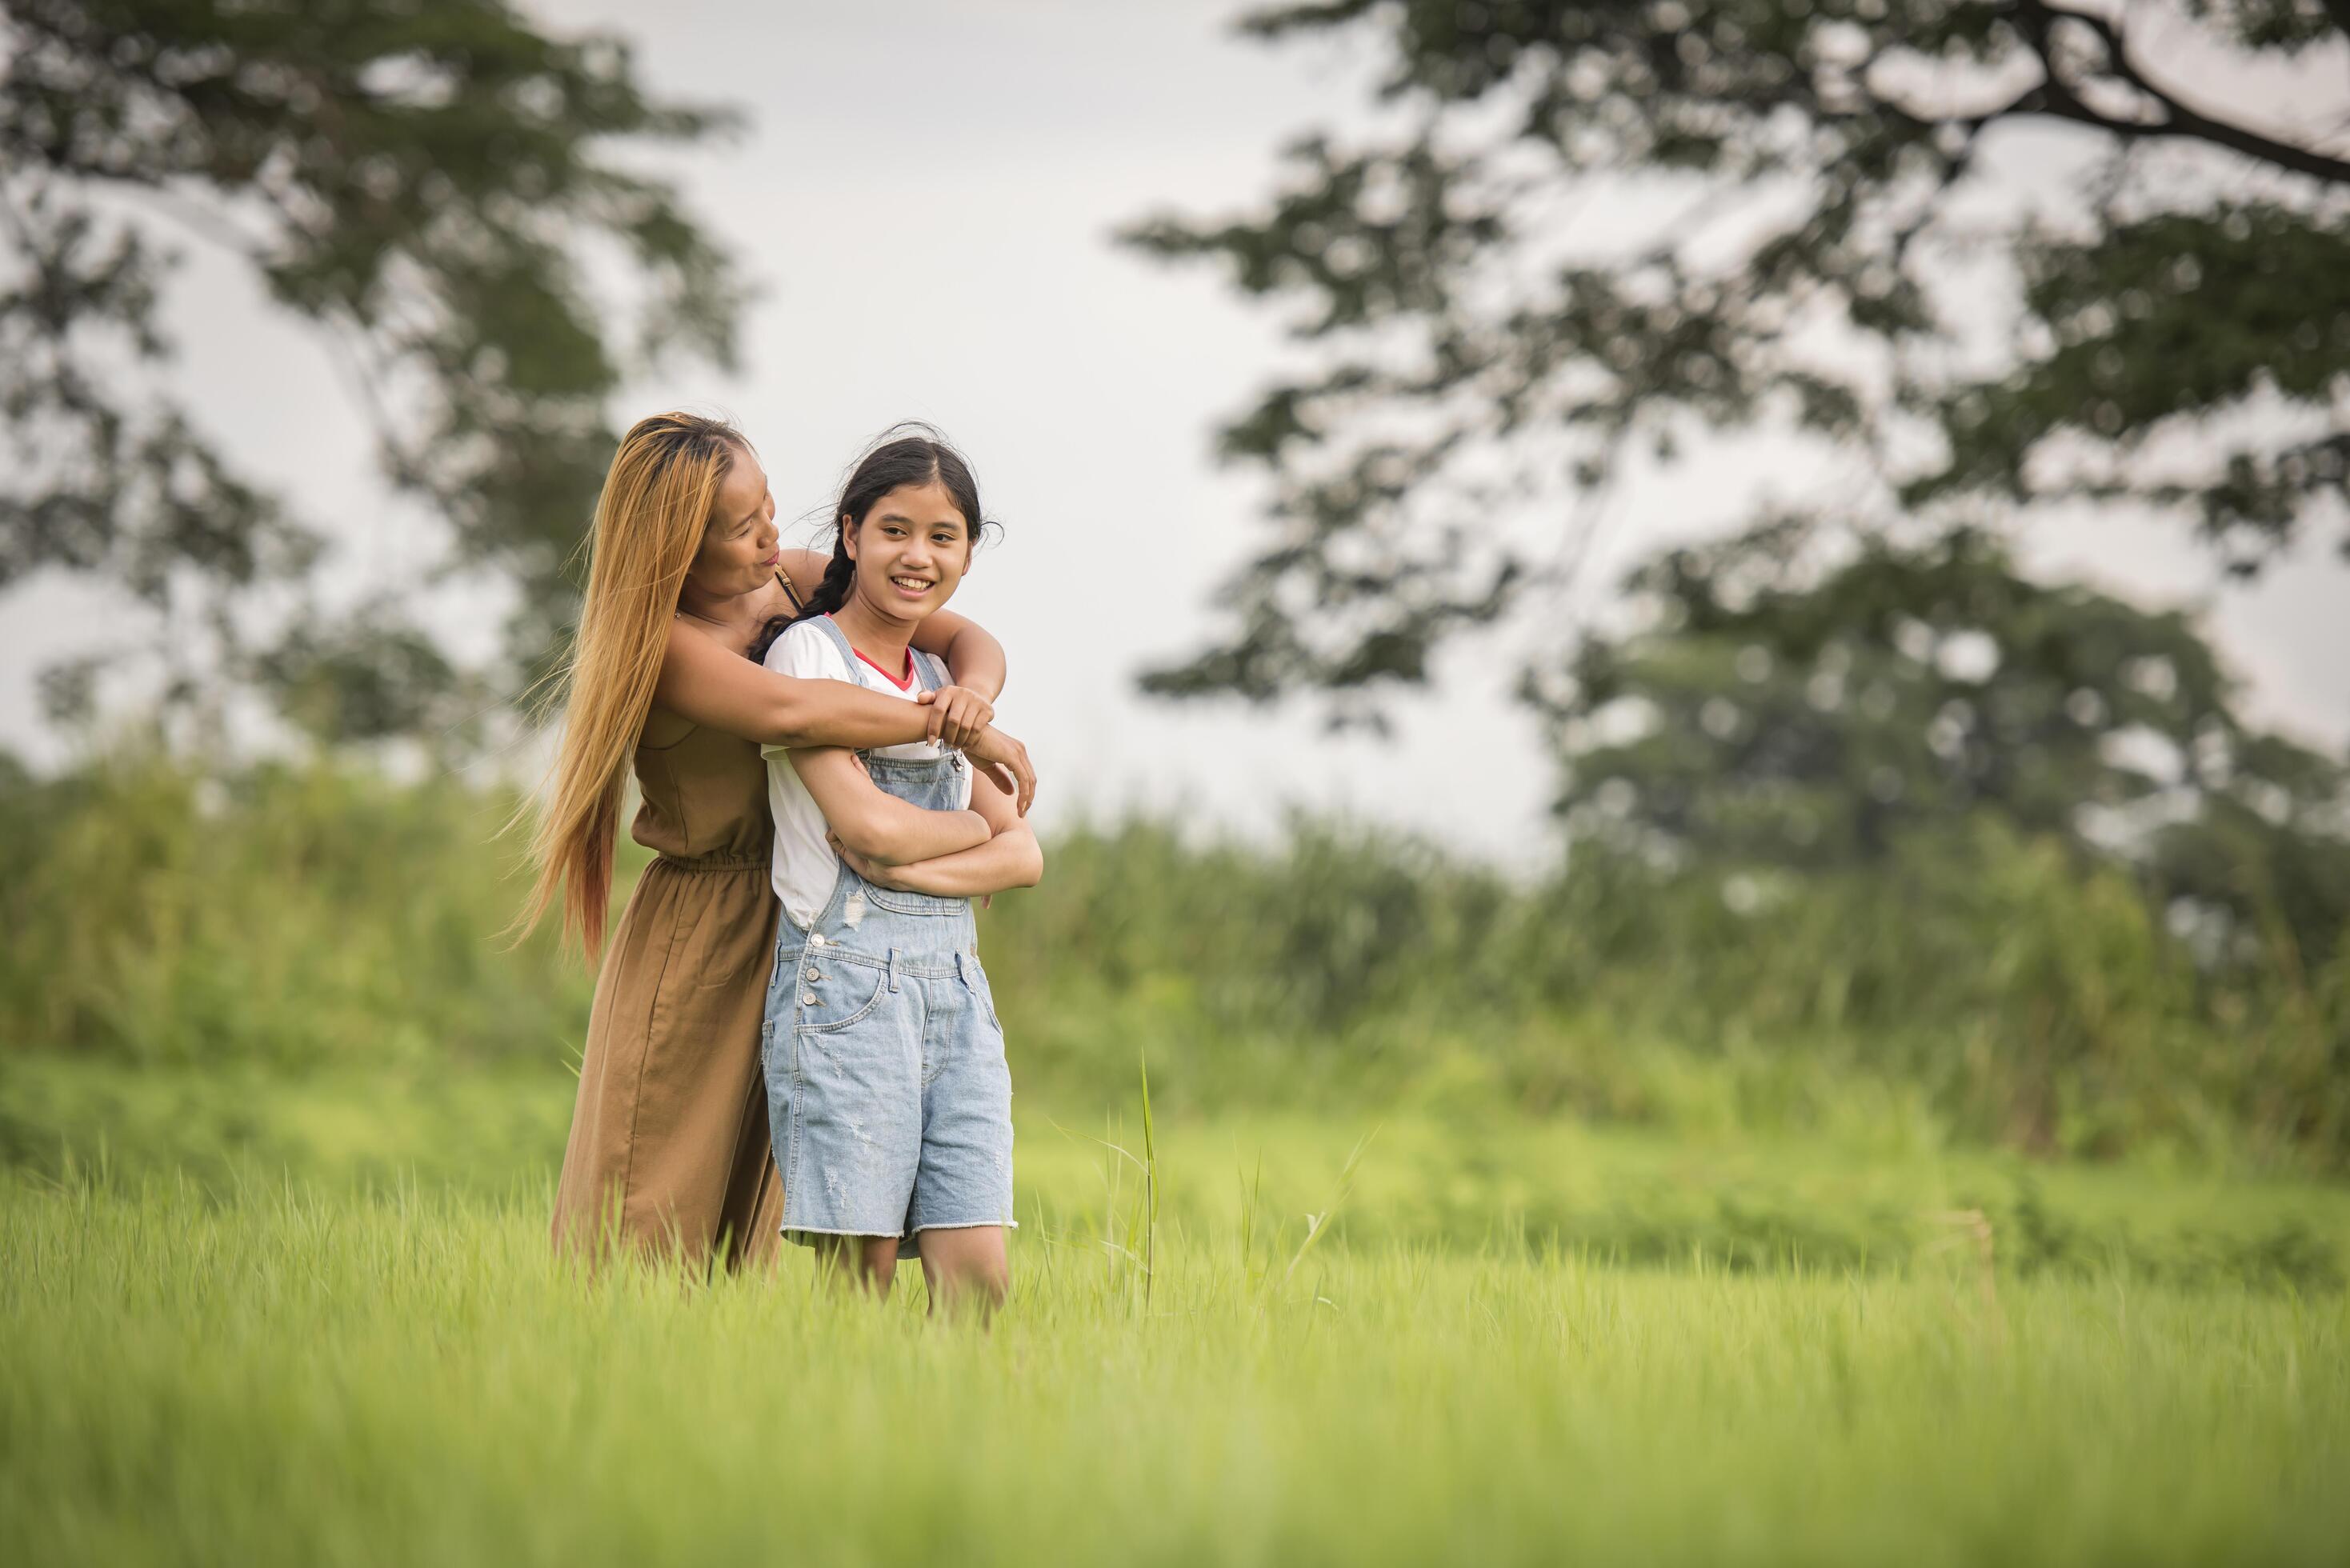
{"points": [[668, 1150], [890, 1100]]}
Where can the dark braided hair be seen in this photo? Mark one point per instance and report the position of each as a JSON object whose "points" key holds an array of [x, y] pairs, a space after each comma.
{"points": [[900, 460]]}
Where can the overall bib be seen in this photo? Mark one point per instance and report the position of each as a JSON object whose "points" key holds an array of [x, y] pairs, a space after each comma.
{"points": [[888, 1093]]}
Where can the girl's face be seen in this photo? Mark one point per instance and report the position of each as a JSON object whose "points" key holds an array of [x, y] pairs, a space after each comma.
{"points": [[911, 550], [740, 547]]}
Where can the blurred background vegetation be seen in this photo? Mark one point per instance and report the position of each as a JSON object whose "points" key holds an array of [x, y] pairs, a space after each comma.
{"points": [[1869, 833], [1898, 1090], [1975, 983]]}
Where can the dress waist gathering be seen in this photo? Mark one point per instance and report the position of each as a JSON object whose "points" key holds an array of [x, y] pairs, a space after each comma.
{"points": [[693, 862]]}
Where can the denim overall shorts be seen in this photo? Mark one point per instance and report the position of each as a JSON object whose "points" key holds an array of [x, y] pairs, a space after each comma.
{"points": [[889, 1098]]}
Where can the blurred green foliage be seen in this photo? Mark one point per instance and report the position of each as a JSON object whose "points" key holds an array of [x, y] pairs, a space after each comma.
{"points": [[1581, 234], [1790, 700], [284, 916], [1979, 984], [1862, 1199], [467, 209]]}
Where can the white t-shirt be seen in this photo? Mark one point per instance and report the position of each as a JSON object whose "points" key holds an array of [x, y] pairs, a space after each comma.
{"points": [[805, 866]]}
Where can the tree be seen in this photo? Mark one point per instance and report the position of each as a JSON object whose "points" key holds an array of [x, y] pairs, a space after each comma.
{"points": [[432, 184], [1804, 701], [1845, 262]]}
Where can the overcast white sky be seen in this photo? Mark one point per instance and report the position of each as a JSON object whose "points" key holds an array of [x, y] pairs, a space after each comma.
{"points": [[926, 194]]}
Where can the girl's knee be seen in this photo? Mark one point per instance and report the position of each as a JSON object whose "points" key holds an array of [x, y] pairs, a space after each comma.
{"points": [[977, 1278], [988, 1282]]}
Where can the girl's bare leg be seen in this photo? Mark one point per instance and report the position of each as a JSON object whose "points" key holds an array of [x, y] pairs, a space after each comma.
{"points": [[870, 1263], [966, 1269]]}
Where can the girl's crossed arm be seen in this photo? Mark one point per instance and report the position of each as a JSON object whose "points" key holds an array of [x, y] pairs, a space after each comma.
{"points": [[877, 824], [1012, 857]]}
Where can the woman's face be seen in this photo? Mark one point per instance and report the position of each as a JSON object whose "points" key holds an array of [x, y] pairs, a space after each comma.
{"points": [[911, 550], [740, 547]]}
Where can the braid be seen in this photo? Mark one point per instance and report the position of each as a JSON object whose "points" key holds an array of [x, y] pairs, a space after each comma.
{"points": [[839, 577]]}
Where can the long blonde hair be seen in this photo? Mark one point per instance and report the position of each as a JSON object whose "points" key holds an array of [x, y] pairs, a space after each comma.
{"points": [[657, 502]]}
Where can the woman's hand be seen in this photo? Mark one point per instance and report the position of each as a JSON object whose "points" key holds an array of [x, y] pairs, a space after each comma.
{"points": [[959, 715], [1006, 761]]}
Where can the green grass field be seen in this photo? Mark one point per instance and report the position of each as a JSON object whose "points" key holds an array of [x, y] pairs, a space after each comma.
{"points": [[1505, 1340]]}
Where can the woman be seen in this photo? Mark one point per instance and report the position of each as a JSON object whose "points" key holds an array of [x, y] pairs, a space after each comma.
{"points": [[668, 1143]]}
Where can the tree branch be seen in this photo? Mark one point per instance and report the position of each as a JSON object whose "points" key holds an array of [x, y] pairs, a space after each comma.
{"points": [[2035, 19]]}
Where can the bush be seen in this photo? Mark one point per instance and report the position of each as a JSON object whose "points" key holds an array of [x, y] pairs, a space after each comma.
{"points": [[1999, 988], [281, 915]]}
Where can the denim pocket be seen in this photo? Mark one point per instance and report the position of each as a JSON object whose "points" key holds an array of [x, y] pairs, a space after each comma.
{"points": [[829, 989], [975, 980], [900, 902]]}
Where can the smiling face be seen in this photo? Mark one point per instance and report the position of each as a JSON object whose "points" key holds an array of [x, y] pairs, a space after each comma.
{"points": [[740, 547], [911, 550]]}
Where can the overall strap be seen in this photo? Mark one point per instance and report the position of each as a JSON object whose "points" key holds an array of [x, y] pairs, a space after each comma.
{"points": [[928, 670], [933, 673], [831, 628]]}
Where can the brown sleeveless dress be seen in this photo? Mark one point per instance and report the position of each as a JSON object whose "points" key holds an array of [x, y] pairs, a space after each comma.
{"points": [[668, 1139]]}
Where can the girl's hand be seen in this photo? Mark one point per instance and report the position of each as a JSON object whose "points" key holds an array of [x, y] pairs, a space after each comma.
{"points": [[959, 715], [882, 875], [873, 871]]}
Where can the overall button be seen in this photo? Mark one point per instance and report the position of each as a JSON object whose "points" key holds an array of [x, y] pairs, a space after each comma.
{"points": [[813, 973], [808, 998]]}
